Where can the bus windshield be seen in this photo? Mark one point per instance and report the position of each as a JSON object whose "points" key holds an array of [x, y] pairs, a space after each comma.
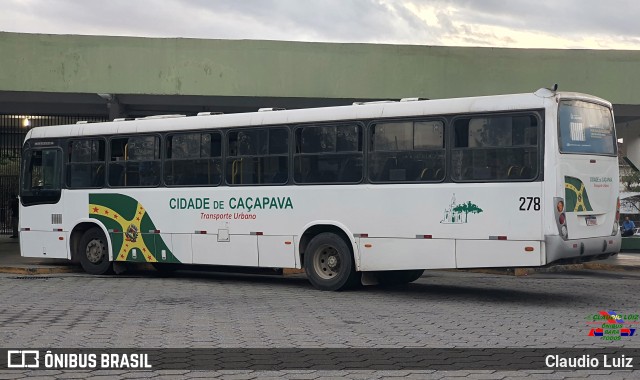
{"points": [[586, 128]]}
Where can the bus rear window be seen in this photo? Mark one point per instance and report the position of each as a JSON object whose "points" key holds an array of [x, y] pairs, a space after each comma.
{"points": [[586, 128]]}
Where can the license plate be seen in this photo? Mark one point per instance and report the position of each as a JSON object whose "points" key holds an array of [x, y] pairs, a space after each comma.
{"points": [[591, 221]]}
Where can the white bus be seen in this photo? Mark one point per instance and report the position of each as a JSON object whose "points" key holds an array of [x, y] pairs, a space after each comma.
{"points": [[369, 192]]}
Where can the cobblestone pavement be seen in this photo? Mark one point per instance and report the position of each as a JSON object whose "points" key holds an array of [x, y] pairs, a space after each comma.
{"points": [[442, 309]]}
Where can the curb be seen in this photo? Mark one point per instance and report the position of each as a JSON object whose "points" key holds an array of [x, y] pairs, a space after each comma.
{"points": [[517, 272], [292, 271], [554, 269], [33, 270], [523, 271], [611, 267]]}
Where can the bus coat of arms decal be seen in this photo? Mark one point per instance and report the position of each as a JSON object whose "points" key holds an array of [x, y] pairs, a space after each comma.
{"points": [[132, 233]]}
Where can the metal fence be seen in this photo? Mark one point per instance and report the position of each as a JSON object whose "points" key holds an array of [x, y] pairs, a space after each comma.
{"points": [[13, 129]]}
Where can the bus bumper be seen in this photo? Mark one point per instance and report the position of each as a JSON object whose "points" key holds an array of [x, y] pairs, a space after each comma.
{"points": [[580, 250]]}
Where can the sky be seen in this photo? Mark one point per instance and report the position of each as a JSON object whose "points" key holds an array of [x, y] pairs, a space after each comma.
{"points": [[561, 24]]}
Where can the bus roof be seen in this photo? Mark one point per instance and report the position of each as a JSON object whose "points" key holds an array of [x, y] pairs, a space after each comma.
{"points": [[374, 110]]}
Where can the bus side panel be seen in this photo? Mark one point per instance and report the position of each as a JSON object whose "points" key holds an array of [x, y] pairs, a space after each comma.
{"points": [[45, 244], [240, 250], [38, 236], [498, 253], [276, 252], [182, 248], [395, 254]]}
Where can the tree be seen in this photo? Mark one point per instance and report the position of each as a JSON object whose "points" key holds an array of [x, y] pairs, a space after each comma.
{"points": [[629, 174], [9, 165], [630, 180], [467, 208]]}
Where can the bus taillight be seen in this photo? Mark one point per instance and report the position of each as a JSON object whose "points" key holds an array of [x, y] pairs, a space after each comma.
{"points": [[561, 218]]}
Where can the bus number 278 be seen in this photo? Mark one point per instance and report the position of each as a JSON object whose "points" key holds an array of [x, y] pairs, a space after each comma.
{"points": [[526, 203]]}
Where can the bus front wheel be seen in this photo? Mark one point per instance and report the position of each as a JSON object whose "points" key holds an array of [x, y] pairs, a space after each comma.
{"points": [[94, 252], [329, 263]]}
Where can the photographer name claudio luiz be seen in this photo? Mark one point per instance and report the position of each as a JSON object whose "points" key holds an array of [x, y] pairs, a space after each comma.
{"points": [[586, 361]]}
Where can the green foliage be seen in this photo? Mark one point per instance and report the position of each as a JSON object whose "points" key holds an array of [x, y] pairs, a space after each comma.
{"points": [[467, 208], [9, 165], [630, 181]]}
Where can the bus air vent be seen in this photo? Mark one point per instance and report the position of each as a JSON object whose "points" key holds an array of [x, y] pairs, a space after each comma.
{"points": [[56, 218]]}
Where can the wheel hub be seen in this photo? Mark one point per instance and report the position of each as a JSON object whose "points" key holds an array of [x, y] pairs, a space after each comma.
{"points": [[327, 262], [332, 262], [94, 251]]}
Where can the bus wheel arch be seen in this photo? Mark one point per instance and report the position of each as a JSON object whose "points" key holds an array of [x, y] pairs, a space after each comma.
{"points": [[328, 257], [86, 241]]}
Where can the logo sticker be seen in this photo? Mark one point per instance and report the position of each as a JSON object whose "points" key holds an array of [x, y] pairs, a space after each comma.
{"points": [[134, 236], [611, 325], [132, 233], [459, 213], [576, 195]]}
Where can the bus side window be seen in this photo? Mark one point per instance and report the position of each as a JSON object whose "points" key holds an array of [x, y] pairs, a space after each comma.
{"points": [[261, 157], [116, 175], [135, 161], [85, 163], [117, 164], [328, 154], [193, 159], [98, 177], [407, 151], [495, 148]]}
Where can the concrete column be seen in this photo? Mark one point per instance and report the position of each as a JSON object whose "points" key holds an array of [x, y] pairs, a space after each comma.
{"points": [[629, 132], [116, 110]]}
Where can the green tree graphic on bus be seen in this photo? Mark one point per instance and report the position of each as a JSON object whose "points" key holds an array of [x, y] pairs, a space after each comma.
{"points": [[467, 208], [453, 214]]}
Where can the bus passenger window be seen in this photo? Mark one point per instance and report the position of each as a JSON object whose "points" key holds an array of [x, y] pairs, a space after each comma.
{"points": [[85, 163], [193, 159], [258, 156], [407, 151], [135, 161], [495, 148], [328, 154]]}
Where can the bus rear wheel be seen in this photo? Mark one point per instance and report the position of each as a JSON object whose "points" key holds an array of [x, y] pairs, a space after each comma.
{"points": [[398, 277], [329, 263], [94, 252]]}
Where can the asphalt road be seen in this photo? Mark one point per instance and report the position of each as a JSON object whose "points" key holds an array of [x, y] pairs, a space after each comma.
{"points": [[443, 309]]}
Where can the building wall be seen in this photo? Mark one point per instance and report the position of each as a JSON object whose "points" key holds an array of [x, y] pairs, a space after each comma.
{"points": [[127, 65]]}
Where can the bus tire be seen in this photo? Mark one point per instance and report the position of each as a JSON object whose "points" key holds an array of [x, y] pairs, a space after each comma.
{"points": [[94, 252], [329, 263], [398, 277]]}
